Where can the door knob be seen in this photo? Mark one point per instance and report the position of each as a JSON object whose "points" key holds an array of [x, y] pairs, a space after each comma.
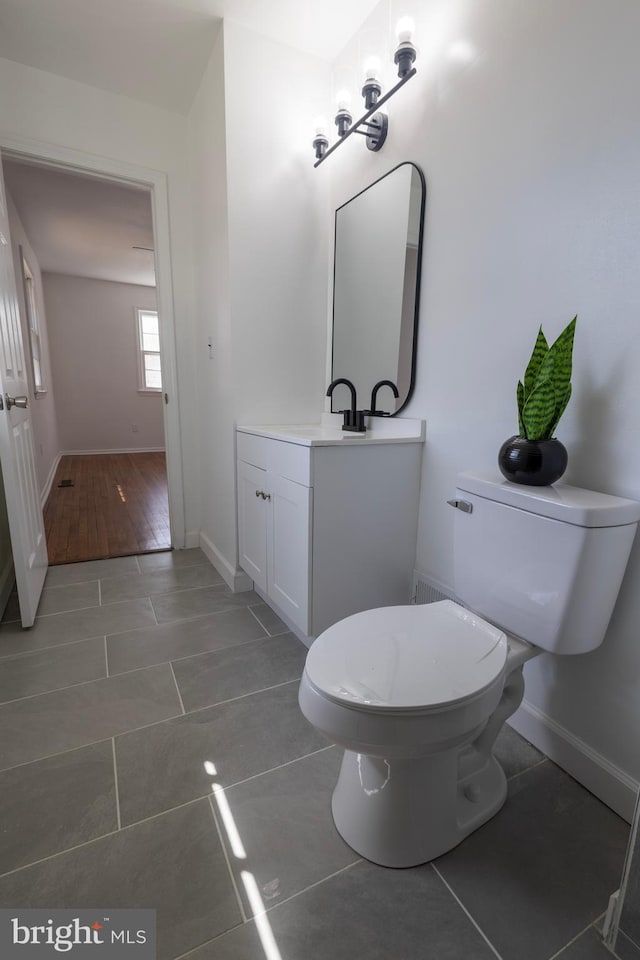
{"points": [[22, 402]]}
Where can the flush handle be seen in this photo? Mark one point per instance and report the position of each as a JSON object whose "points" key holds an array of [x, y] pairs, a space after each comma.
{"points": [[463, 505]]}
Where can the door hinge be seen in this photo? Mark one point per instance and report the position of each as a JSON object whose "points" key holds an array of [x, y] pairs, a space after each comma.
{"points": [[166, 398]]}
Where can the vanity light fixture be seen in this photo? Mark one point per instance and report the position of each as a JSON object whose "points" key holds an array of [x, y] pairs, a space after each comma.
{"points": [[343, 117], [373, 124], [320, 141]]}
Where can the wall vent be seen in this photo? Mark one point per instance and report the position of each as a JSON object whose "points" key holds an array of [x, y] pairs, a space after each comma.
{"points": [[425, 591]]}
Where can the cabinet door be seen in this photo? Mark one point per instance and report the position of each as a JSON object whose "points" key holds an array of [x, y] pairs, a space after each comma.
{"points": [[289, 546], [252, 522]]}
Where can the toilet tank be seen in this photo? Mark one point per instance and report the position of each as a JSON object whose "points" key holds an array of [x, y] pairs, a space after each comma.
{"points": [[543, 563]]}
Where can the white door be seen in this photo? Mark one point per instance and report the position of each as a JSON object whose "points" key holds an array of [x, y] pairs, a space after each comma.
{"points": [[252, 522], [289, 546], [26, 523]]}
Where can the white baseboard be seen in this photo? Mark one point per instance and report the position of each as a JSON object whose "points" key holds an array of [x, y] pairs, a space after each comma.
{"points": [[95, 453], [7, 580], [238, 580], [608, 782], [191, 539], [46, 490]]}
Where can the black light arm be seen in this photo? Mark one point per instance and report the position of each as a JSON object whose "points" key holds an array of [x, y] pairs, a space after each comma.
{"points": [[354, 128]]}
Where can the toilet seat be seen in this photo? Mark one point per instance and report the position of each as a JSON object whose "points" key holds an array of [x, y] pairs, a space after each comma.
{"points": [[407, 659]]}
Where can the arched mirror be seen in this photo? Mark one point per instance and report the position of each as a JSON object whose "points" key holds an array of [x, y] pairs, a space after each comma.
{"points": [[376, 288]]}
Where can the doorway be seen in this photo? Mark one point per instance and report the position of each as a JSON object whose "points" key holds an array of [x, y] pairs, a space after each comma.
{"points": [[85, 273], [156, 183]]}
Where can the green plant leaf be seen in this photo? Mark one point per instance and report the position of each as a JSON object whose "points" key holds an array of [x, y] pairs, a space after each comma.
{"points": [[557, 364], [540, 351], [539, 410], [560, 408], [520, 396]]}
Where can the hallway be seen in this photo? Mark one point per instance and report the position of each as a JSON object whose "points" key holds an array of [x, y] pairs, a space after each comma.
{"points": [[117, 506]]}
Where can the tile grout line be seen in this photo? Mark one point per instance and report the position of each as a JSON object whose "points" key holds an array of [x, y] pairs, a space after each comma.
{"points": [[102, 836], [280, 766], [173, 674], [91, 743], [83, 683], [312, 886], [59, 853], [153, 610], [170, 592], [161, 813], [106, 656], [464, 909], [569, 943], [226, 858], [67, 643], [115, 779], [538, 763], [154, 816], [192, 950], [43, 616], [192, 656], [229, 786], [268, 632], [144, 726], [241, 696], [113, 603], [621, 933]]}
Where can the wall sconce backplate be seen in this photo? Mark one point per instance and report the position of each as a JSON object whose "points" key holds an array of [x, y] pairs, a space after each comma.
{"points": [[375, 138]]}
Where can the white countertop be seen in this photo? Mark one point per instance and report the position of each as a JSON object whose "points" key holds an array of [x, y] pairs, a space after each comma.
{"points": [[329, 433]]}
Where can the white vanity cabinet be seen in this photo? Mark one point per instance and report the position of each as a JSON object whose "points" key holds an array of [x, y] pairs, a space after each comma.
{"points": [[327, 525]]}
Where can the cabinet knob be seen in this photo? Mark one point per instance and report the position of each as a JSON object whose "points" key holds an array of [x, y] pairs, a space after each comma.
{"points": [[259, 493], [266, 496]]}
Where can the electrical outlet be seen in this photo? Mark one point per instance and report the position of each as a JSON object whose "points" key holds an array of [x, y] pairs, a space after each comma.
{"points": [[134, 427]]}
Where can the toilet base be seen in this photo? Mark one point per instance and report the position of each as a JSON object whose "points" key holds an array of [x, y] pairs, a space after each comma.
{"points": [[400, 813]]}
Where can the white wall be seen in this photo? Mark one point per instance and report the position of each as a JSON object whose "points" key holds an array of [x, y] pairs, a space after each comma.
{"points": [[42, 107], [531, 155], [92, 336], [43, 406], [260, 253]]}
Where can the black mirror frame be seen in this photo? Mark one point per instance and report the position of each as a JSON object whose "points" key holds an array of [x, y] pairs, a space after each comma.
{"points": [[416, 310]]}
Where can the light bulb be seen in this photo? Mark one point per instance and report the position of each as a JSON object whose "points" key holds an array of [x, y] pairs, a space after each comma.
{"points": [[343, 99], [405, 29], [372, 67], [321, 126]]}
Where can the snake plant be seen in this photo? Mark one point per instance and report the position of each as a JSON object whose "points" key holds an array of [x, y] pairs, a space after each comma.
{"points": [[547, 385]]}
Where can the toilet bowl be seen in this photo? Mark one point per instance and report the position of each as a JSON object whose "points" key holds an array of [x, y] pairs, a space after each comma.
{"points": [[416, 695], [404, 690]]}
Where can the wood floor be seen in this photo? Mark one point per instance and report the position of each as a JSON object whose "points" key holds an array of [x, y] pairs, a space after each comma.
{"points": [[117, 506]]}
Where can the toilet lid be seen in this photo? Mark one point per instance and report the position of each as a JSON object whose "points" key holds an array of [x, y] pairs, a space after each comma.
{"points": [[407, 658]]}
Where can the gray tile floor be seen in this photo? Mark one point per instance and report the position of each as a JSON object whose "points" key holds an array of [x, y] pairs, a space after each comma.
{"points": [[153, 755]]}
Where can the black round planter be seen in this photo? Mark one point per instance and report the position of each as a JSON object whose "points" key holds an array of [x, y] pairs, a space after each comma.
{"points": [[534, 462]]}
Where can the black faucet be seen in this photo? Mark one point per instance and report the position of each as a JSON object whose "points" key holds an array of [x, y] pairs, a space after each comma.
{"points": [[353, 419], [374, 393]]}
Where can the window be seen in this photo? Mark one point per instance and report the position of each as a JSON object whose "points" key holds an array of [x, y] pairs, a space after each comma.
{"points": [[149, 350], [33, 324]]}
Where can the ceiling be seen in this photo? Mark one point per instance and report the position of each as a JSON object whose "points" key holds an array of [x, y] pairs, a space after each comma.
{"points": [[156, 50], [83, 226]]}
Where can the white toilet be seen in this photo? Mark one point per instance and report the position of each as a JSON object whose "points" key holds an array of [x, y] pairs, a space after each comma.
{"points": [[418, 694]]}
